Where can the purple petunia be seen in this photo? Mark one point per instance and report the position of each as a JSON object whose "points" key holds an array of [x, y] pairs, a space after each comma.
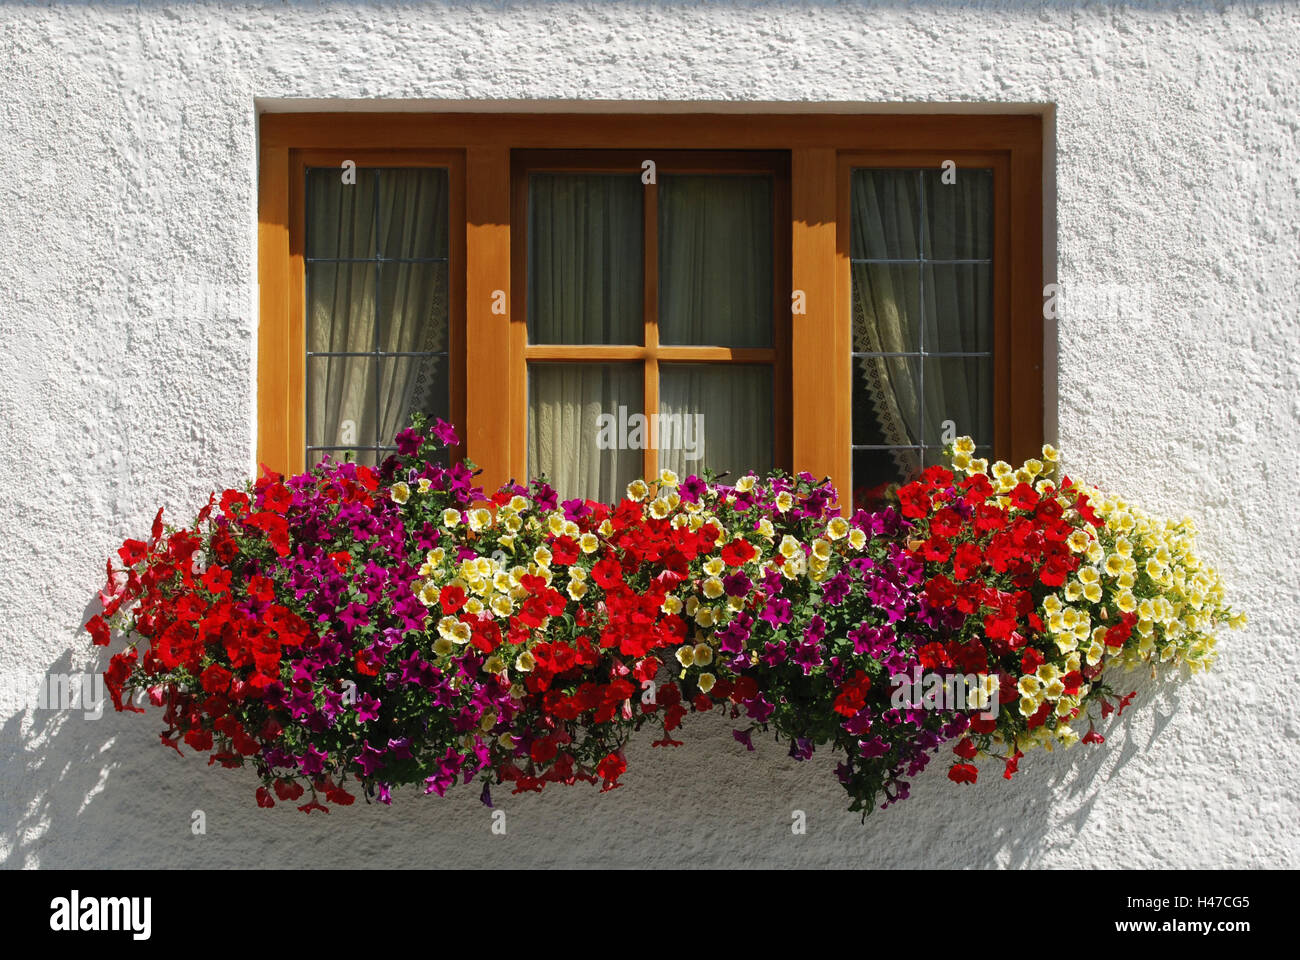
{"points": [[367, 708]]}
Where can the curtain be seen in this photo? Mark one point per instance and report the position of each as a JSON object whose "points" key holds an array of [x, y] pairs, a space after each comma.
{"points": [[715, 288], [578, 452], [911, 305], [715, 416], [715, 260], [394, 222], [584, 258]]}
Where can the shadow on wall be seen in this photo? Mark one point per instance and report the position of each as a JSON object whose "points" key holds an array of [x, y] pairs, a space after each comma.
{"points": [[81, 791]]}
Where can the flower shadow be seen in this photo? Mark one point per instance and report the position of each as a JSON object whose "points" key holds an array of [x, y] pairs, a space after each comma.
{"points": [[102, 792]]}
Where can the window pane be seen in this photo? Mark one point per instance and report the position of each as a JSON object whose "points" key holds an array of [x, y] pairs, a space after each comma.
{"points": [[585, 270], [715, 260], [586, 432], [341, 307], [413, 307], [875, 470], [958, 307], [341, 402], [413, 216], [340, 216], [959, 215], [715, 416], [409, 385], [886, 215], [886, 307], [960, 391], [886, 401]]}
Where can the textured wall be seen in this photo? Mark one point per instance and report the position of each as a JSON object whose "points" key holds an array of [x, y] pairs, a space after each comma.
{"points": [[127, 137]]}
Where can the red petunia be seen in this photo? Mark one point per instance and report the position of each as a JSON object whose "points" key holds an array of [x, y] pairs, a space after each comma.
{"points": [[963, 773], [216, 579], [853, 697], [97, 626], [933, 656], [966, 561], [946, 523], [1013, 764], [564, 550], [132, 552], [914, 501], [1024, 497], [233, 502], [452, 599], [215, 679], [277, 498], [610, 769], [738, 552], [607, 573]]}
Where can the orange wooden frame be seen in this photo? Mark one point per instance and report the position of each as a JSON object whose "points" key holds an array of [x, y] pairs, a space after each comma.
{"points": [[488, 346], [282, 356], [1017, 327]]}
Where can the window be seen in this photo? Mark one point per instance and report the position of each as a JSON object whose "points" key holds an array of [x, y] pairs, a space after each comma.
{"points": [[599, 297], [376, 281], [921, 259], [651, 298]]}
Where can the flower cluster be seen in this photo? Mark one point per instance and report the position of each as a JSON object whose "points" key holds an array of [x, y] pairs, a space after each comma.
{"points": [[1055, 582], [381, 627]]}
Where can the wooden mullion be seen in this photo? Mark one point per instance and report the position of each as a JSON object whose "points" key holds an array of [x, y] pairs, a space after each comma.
{"points": [[275, 397], [650, 291], [494, 399], [820, 402]]}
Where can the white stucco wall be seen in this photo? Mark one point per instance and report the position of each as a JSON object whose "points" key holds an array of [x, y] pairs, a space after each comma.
{"points": [[127, 312]]}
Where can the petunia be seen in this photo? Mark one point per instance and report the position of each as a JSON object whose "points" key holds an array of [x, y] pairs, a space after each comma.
{"points": [[367, 708]]}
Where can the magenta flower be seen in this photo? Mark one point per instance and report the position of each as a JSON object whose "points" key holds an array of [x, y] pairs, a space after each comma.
{"points": [[445, 433], [367, 708]]}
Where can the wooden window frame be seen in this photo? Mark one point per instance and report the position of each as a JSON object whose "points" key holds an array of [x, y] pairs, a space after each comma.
{"points": [[282, 407], [489, 398]]}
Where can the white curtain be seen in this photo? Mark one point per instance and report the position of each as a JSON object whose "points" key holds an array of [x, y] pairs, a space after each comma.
{"points": [[729, 404], [715, 260], [565, 442], [584, 258]]}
